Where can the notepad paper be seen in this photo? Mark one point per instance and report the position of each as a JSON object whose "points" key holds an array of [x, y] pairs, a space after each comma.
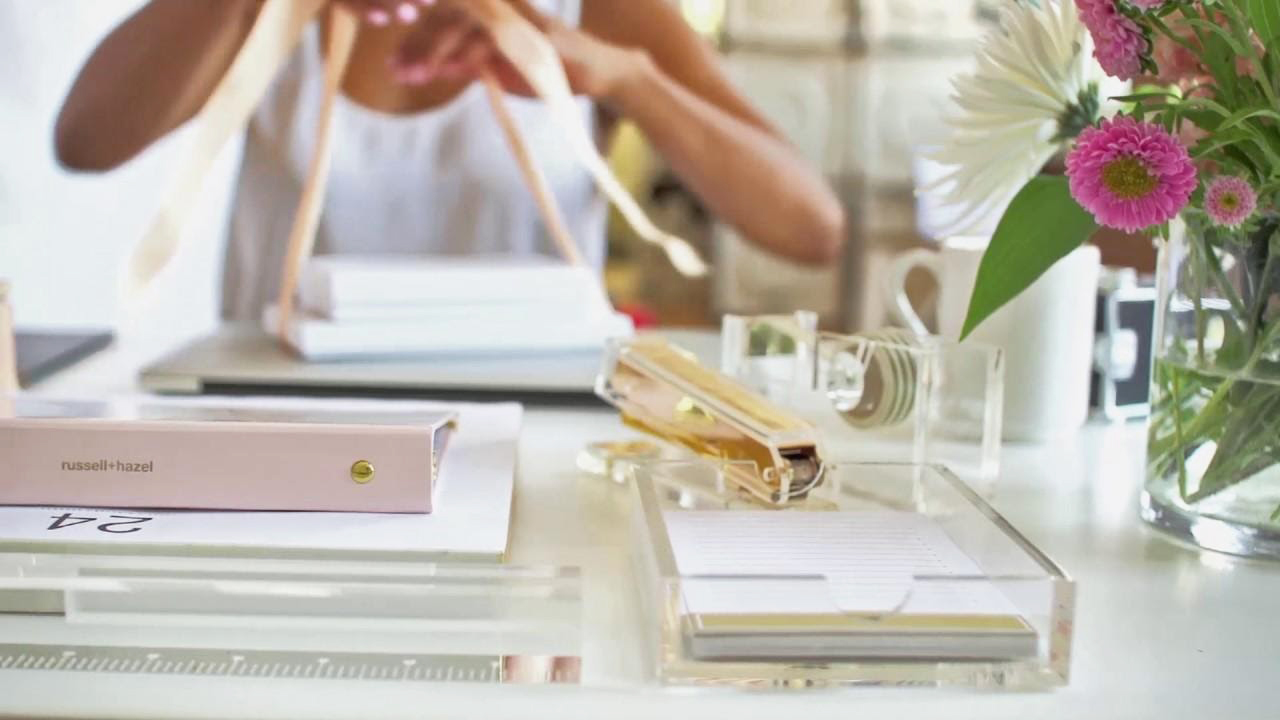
{"points": [[793, 584], [825, 561]]}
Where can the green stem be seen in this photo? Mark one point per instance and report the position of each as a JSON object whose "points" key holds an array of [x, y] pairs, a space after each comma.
{"points": [[1197, 300], [1205, 420], [1224, 284], [1231, 470], [1177, 435], [1195, 429], [1260, 295]]}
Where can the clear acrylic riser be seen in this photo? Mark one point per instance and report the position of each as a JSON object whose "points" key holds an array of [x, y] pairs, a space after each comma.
{"points": [[321, 619], [1034, 589]]}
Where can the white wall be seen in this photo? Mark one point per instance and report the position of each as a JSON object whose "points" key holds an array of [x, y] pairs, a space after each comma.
{"points": [[63, 237]]}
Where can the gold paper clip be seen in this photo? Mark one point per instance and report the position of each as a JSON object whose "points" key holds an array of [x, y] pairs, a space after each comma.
{"points": [[663, 390]]}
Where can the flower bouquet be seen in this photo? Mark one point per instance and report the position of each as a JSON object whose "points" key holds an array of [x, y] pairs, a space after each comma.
{"points": [[1191, 158]]}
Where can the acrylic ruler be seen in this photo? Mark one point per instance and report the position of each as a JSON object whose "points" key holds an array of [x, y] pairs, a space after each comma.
{"points": [[289, 664]]}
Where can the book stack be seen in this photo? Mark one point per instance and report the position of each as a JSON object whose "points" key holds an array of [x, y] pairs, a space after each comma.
{"points": [[394, 306]]}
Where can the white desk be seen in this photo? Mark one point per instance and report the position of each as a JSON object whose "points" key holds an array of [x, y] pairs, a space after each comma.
{"points": [[1161, 631]]}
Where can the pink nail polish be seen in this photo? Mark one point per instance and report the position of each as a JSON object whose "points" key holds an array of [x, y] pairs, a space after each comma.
{"points": [[378, 17], [407, 12], [426, 3], [413, 75]]}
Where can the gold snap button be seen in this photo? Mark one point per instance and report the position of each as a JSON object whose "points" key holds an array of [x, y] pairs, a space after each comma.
{"points": [[362, 471]]}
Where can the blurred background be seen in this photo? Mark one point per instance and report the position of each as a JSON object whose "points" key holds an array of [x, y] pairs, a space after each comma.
{"points": [[858, 86]]}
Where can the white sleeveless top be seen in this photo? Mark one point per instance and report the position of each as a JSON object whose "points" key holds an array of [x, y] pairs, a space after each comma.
{"points": [[439, 182]]}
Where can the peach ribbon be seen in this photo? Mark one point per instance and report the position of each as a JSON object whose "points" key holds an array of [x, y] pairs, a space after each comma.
{"points": [[343, 25], [270, 42], [533, 56]]}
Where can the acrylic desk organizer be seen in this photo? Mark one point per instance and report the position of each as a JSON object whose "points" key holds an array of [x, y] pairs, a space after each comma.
{"points": [[882, 396], [978, 606]]}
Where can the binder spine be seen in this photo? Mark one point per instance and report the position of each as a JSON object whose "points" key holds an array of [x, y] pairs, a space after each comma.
{"points": [[217, 465]]}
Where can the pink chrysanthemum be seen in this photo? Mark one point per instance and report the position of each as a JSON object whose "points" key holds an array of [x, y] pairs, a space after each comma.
{"points": [[1130, 175], [1229, 201], [1118, 42]]}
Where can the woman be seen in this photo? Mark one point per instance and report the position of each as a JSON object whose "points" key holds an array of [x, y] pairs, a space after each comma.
{"points": [[420, 165]]}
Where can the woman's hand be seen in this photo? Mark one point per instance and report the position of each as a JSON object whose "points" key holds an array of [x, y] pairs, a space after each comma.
{"points": [[447, 43]]}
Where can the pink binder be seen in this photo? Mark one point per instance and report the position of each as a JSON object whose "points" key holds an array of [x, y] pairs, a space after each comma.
{"points": [[222, 454]]}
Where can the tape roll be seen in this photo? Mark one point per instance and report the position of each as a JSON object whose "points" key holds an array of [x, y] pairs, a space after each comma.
{"points": [[876, 387]]}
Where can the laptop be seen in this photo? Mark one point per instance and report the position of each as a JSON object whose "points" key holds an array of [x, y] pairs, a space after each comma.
{"points": [[243, 359], [42, 353]]}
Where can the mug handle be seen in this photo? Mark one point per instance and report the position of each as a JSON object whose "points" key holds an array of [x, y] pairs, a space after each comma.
{"points": [[895, 285]]}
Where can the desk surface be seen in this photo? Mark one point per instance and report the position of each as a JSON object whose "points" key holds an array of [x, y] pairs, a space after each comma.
{"points": [[1161, 630]]}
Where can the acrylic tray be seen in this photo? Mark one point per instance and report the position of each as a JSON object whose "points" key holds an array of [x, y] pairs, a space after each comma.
{"points": [[994, 613]]}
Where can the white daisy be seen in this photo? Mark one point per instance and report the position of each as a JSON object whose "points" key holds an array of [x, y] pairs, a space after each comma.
{"points": [[1036, 86]]}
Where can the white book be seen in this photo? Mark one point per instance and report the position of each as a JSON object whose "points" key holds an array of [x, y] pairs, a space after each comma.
{"points": [[345, 287], [471, 522], [508, 332]]}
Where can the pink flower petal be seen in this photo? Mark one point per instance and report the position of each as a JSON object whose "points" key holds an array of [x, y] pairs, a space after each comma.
{"points": [[1130, 175], [1118, 42], [1230, 201]]}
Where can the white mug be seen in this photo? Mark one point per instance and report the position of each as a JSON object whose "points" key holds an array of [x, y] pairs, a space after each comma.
{"points": [[1047, 332]]}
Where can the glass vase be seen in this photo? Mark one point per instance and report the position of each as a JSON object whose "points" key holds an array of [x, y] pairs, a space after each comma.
{"points": [[1213, 449]]}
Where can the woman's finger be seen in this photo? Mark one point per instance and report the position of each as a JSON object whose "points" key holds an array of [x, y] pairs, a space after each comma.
{"points": [[433, 46], [471, 60], [526, 10], [466, 61]]}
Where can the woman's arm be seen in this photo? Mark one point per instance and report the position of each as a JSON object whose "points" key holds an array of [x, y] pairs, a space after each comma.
{"points": [[713, 139], [149, 76]]}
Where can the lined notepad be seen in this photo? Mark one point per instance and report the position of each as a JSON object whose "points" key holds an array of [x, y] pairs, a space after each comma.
{"points": [[796, 584]]}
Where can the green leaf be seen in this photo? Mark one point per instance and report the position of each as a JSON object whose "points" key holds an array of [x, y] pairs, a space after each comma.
{"points": [[1042, 225], [1220, 59], [1265, 15], [1148, 95], [1231, 41], [1248, 114]]}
